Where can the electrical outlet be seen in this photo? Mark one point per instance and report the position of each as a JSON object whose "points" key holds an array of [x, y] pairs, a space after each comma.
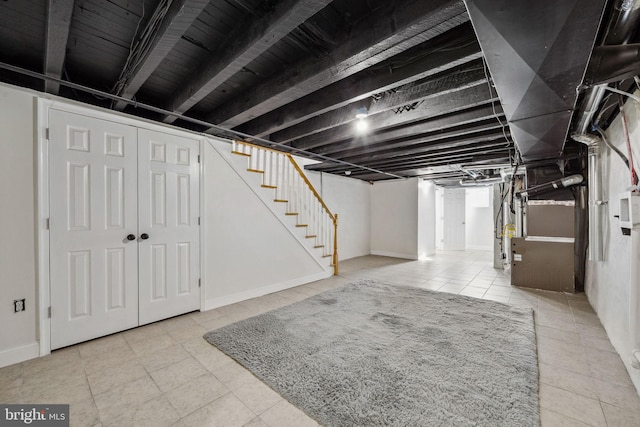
{"points": [[18, 305]]}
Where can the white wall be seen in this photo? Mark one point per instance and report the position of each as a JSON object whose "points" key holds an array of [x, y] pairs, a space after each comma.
{"points": [[350, 199], [17, 225], [440, 218], [394, 218], [426, 219], [479, 221], [608, 282], [249, 251]]}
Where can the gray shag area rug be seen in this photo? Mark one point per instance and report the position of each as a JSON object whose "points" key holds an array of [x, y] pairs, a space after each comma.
{"points": [[371, 354]]}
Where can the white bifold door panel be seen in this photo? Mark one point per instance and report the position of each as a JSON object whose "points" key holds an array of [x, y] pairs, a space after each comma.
{"points": [[169, 206], [124, 240], [454, 219]]}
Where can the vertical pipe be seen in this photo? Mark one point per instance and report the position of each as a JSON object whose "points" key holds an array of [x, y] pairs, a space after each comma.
{"points": [[595, 208], [335, 244]]}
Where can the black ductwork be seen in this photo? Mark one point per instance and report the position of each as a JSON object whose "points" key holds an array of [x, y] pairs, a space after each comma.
{"points": [[612, 64], [537, 52]]}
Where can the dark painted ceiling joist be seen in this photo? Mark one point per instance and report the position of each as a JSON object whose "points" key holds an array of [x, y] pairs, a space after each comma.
{"points": [[382, 35], [428, 141], [459, 79], [452, 49], [469, 144], [59, 14], [457, 101], [246, 44], [439, 124], [178, 19]]}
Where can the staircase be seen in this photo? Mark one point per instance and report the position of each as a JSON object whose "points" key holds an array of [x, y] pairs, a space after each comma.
{"points": [[281, 173]]}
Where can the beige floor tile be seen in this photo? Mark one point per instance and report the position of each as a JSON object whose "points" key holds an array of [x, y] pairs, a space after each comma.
{"points": [[177, 374], [553, 419], [590, 341], [284, 414], [568, 380], [143, 332], [163, 357], [255, 394], [71, 390], [617, 417], [228, 371], [84, 413], [54, 375], [152, 344], [64, 360], [157, 412], [622, 396], [256, 422], [113, 403], [102, 345], [226, 411], [187, 332], [113, 376], [196, 393], [559, 334], [571, 405], [109, 358]]}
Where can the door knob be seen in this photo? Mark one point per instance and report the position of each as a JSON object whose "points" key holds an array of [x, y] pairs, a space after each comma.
{"points": [[131, 237], [144, 236]]}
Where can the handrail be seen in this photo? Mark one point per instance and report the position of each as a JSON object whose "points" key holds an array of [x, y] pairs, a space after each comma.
{"points": [[298, 169], [313, 190]]}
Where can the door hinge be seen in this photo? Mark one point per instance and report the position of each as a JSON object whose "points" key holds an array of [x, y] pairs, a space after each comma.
{"points": [[48, 223], [49, 312], [199, 283], [198, 220], [198, 158], [46, 134]]}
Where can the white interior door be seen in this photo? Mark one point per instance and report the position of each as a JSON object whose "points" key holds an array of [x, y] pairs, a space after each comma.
{"points": [[454, 219], [169, 210], [94, 267]]}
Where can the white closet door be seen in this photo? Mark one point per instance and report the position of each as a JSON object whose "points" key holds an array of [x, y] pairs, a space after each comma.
{"points": [[454, 219], [169, 207], [94, 267]]}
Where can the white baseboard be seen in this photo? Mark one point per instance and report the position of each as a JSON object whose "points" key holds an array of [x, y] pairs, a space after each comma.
{"points": [[479, 248], [395, 255], [212, 303], [19, 354]]}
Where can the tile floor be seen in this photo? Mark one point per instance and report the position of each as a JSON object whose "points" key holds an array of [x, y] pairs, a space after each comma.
{"points": [[166, 374]]}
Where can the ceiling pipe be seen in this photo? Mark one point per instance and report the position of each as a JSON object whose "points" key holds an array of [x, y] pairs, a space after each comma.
{"points": [[240, 135], [620, 30]]}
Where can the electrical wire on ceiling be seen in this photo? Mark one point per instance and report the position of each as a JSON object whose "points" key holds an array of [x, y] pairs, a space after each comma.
{"points": [[493, 104], [223, 130], [140, 45]]}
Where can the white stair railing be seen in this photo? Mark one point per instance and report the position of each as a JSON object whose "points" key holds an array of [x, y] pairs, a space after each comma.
{"points": [[281, 172]]}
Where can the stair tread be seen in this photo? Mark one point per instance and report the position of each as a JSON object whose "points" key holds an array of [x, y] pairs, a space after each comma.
{"points": [[255, 170], [268, 186], [310, 236], [318, 246], [239, 153], [302, 225], [280, 201], [291, 213]]}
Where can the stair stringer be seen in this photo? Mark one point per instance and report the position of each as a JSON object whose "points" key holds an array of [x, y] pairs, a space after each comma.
{"points": [[253, 181]]}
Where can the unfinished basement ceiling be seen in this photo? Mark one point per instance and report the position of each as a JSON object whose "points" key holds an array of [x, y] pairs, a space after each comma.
{"points": [[296, 72]]}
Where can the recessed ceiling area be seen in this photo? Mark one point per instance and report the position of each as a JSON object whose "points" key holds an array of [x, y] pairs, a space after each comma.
{"points": [[450, 89]]}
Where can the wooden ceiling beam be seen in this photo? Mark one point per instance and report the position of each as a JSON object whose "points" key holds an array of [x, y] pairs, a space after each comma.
{"points": [[246, 44], [178, 19], [59, 14], [385, 33]]}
